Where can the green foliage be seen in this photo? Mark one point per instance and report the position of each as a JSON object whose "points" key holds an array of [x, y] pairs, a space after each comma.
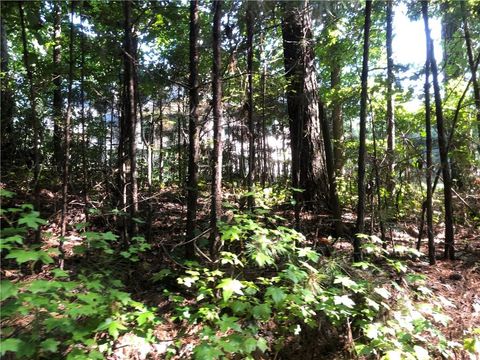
{"points": [[65, 315]]}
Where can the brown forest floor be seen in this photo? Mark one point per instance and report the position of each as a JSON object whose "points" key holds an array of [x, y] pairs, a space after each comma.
{"points": [[457, 282]]}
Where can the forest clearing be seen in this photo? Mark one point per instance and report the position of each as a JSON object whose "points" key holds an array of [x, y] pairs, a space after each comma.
{"points": [[240, 179]]}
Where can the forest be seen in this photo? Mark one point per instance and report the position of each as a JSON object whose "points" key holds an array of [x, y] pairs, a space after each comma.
{"points": [[233, 179]]}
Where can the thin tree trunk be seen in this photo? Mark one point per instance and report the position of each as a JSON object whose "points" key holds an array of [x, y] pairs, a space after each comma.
{"points": [[57, 83], [337, 120], [216, 208], [251, 127], [7, 103], [447, 182], [160, 155], [428, 130], [84, 128], [131, 113], [66, 141], [193, 133], [357, 254], [390, 109], [473, 70], [33, 115]]}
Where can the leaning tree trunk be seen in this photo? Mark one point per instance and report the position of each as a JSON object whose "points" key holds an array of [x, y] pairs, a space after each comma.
{"points": [[442, 143], [216, 207], [309, 171], [251, 125], [362, 151], [472, 65], [193, 133]]}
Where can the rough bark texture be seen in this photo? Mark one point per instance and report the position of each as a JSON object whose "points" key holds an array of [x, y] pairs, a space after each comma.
{"points": [[442, 143], [216, 207], [193, 133], [251, 125], [362, 151], [57, 83], [308, 153]]}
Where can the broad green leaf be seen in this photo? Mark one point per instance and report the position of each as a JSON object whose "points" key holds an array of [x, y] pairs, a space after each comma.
{"points": [[7, 194], [7, 289], [382, 292], [249, 345], [22, 256], [261, 312], [32, 220], [207, 352], [229, 287], [277, 294], [262, 344], [50, 345], [344, 300], [11, 344]]}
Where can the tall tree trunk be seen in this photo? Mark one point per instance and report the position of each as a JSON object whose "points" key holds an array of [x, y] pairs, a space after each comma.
{"points": [[471, 64], [33, 114], [66, 141], [7, 103], [442, 143], [308, 152], [193, 133], [337, 120], [216, 207], [57, 83], [251, 125], [84, 127], [131, 112], [390, 109], [362, 151], [428, 130]]}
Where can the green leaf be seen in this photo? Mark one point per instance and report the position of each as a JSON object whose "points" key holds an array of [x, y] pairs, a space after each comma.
{"points": [[11, 344], [228, 322], [207, 352], [50, 345], [7, 289], [261, 312], [344, 300], [230, 287], [7, 194], [32, 220], [382, 292], [262, 344], [22, 256], [249, 345], [277, 294]]}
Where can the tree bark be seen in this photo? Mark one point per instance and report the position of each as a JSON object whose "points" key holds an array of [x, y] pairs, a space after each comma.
{"points": [[251, 125], [193, 133], [57, 83], [362, 151], [216, 207], [7, 103], [390, 104], [85, 186], [66, 141], [442, 143], [309, 171], [131, 112], [472, 65]]}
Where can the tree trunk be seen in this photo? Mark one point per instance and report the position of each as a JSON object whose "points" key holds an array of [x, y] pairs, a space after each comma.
{"points": [[66, 141], [85, 186], [7, 104], [471, 63], [428, 130], [33, 114], [442, 143], [251, 125], [193, 133], [160, 135], [216, 208], [390, 109], [309, 171], [131, 113], [362, 151], [337, 120], [57, 83]]}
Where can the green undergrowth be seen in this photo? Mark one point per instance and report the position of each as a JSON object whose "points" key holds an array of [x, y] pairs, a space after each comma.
{"points": [[266, 289]]}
